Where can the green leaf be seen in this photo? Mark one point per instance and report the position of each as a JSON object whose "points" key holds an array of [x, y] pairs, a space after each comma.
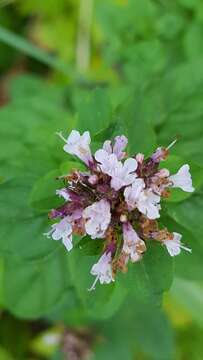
{"points": [[1, 281], [27, 88], [189, 295], [173, 164], [43, 195], [94, 111], [170, 25], [189, 214], [137, 125], [139, 330], [34, 288], [193, 40], [114, 346], [69, 310], [157, 258], [37, 116], [190, 4], [138, 285], [183, 117], [90, 247], [106, 133], [153, 333], [21, 231], [2, 179], [149, 278]]}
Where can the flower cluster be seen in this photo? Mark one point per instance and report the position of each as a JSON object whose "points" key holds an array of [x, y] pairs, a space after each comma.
{"points": [[116, 200]]}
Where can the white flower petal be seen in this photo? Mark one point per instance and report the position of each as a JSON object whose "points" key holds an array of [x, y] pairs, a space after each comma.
{"points": [[102, 270], [132, 243], [131, 193], [78, 145], [62, 231], [183, 179], [108, 162], [67, 242], [63, 193], [107, 147], [148, 204], [101, 155], [97, 218], [74, 137], [130, 165], [174, 246], [121, 174], [120, 144]]}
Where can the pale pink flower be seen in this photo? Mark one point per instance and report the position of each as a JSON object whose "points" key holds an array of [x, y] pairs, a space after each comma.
{"points": [[97, 218], [107, 162], [102, 270], [122, 174], [63, 193], [120, 144], [133, 245], [131, 193], [174, 246], [62, 231], [148, 204], [78, 145], [182, 179]]}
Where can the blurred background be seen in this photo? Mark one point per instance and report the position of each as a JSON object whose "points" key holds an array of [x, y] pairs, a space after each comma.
{"points": [[53, 55]]}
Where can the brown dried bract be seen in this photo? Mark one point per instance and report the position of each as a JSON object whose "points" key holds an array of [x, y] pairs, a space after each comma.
{"points": [[120, 263], [148, 226], [162, 235], [79, 227], [110, 235], [165, 193]]}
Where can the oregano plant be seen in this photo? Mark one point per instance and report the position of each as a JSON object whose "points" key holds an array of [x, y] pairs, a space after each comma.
{"points": [[116, 203]]}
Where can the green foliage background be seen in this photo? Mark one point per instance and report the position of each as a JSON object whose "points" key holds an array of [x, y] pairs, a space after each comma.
{"points": [[131, 67]]}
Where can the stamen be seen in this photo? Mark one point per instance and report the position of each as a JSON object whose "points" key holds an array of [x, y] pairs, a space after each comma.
{"points": [[94, 284], [61, 136], [49, 233], [171, 144], [186, 248]]}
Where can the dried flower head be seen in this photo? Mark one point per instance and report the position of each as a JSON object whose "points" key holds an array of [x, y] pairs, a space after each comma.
{"points": [[117, 200]]}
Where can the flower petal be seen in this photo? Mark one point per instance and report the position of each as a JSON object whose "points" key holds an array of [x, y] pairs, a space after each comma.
{"points": [[78, 145], [174, 245], [183, 179], [102, 270], [120, 144], [97, 218]]}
